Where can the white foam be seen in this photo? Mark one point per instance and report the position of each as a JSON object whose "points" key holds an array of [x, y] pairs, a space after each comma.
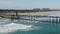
{"points": [[12, 27]]}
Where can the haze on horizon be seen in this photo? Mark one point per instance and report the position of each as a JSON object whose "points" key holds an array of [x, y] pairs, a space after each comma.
{"points": [[29, 4]]}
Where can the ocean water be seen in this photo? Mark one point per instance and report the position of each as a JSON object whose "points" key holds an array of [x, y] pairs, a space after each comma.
{"points": [[18, 26]]}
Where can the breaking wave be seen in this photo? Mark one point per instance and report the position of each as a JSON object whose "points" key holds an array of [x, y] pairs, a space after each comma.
{"points": [[12, 27], [6, 26]]}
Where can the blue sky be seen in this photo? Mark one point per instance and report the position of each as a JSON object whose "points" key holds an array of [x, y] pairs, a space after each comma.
{"points": [[29, 4]]}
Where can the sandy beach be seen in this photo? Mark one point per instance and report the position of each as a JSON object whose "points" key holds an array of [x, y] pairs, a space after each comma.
{"points": [[40, 13]]}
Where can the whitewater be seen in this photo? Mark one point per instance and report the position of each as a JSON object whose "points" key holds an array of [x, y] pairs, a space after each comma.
{"points": [[6, 26], [18, 26]]}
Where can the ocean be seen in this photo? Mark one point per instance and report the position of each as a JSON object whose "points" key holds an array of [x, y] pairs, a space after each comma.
{"points": [[18, 26]]}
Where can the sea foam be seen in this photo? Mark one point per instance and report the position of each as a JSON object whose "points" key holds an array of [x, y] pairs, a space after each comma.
{"points": [[12, 27]]}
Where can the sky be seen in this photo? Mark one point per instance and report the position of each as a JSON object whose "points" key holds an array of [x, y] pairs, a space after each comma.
{"points": [[29, 4]]}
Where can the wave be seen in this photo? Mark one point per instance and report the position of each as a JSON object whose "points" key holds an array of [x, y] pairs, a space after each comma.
{"points": [[12, 27], [4, 21]]}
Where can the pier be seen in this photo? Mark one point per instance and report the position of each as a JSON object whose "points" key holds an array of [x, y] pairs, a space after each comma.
{"points": [[40, 18], [49, 19]]}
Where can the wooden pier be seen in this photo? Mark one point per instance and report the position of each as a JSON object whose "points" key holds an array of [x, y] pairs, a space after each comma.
{"points": [[51, 19]]}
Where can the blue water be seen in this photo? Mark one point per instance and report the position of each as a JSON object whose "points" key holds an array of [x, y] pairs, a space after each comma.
{"points": [[9, 26]]}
